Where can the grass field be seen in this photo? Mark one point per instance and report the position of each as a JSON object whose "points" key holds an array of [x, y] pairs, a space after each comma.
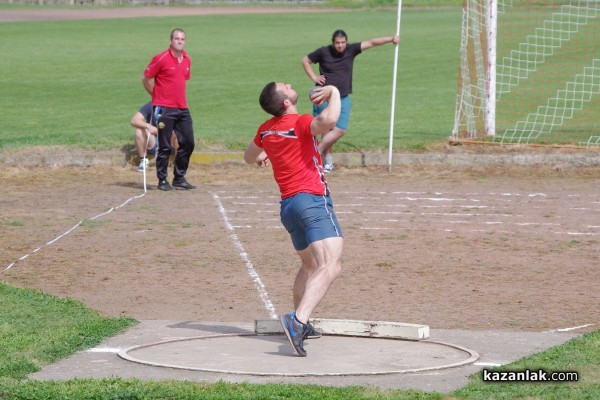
{"points": [[77, 83]]}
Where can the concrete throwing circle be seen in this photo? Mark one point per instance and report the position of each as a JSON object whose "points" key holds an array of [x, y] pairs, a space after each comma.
{"points": [[272, 355]]}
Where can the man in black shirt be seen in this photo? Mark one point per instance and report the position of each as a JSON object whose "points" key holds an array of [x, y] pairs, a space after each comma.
{"points": [[335, 68]]}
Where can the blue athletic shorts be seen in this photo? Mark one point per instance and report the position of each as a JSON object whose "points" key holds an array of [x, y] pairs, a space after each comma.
{"points": [[344, 119], [154, 148], [309, 218]]}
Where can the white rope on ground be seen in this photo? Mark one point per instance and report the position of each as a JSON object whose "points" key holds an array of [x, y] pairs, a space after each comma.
{"points": [[75, 227], [146, 153], [264, 296]]}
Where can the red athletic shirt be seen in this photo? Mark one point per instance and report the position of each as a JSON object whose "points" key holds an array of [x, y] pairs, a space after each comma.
{"points": [[169, 79], [293, 153]]}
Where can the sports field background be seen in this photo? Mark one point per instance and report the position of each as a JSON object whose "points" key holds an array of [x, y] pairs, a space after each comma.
{"points": [[77, 83], [482, 232]]}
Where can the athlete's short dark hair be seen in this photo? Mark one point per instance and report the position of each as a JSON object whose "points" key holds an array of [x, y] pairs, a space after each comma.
{"points": [[271, 100]]}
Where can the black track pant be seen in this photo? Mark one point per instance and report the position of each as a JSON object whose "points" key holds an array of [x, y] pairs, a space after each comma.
{"points": [[180, 121]]}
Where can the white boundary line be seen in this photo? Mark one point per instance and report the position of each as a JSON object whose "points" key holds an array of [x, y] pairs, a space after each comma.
{"points": [[124, 354], [74, 227], [114, 350], [251, 271], [264, 296], [487, 364], [571, 328]]}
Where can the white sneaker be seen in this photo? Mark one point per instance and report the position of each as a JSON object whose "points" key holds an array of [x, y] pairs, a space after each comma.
{"points": [[143, 165], [328, 168]]}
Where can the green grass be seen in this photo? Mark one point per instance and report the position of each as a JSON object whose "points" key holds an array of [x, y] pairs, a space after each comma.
{"points": [[77, 83], [580, 354], [37, 329], [28, 4]]}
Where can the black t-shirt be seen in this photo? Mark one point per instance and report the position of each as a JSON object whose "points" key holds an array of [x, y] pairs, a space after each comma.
{"points": [[146, 111], [336, 67]]}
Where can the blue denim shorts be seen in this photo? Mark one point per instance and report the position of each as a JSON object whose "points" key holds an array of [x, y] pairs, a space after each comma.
{"points": [[309, 218], [344, 119]]}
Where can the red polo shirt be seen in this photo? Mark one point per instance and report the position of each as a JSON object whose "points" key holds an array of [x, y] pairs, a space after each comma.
{"points": [[169, 79]]}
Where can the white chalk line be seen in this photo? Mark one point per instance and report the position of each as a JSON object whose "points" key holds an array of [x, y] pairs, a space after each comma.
{"points": [[423, 198], [264, 296], [399, 228], [248, 221], [571, 328], [72, 229], [253, 219], [103, 350], [488, 364]]}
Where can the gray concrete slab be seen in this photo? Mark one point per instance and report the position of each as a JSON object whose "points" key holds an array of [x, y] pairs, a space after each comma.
{"points": [[209, 352]]}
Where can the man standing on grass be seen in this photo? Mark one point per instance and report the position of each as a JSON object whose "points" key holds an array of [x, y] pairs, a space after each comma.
{"points": [[288, 141], [335, 68], [165, 79]]}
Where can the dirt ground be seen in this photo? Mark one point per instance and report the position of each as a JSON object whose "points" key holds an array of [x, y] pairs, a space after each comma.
{"points": [[512, 248]]}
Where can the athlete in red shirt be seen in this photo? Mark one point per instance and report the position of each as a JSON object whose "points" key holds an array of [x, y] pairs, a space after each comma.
{"points": [[165, 79], [288, 141]]}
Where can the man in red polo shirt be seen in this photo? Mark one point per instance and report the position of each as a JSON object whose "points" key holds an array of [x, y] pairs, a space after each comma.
{"points": [[288, 141], [165, 79]]}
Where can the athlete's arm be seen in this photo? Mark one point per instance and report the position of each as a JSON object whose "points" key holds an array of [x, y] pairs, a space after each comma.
{"points": [[326, 120], [255, 154]]}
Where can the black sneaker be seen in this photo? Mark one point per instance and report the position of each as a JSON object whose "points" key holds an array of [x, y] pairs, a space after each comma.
{"points": [[183, 184], [164, 185], [295, 332], [311, 332]]}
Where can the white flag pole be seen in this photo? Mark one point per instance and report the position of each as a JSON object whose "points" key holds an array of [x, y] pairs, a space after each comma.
{"points": [[394, 88]]}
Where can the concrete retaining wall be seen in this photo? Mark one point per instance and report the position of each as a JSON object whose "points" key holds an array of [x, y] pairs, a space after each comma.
{"points": [[60, 157]]}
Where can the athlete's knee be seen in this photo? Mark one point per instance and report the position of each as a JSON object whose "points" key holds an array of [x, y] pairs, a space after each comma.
{"points": [[333, 268], [334, 261]]}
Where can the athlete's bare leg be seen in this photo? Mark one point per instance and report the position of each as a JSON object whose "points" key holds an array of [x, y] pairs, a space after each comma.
{"points": [[321, 264]]}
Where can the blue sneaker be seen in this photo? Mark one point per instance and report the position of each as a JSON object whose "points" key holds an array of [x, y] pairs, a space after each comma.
{"points": [[295, 331]]}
